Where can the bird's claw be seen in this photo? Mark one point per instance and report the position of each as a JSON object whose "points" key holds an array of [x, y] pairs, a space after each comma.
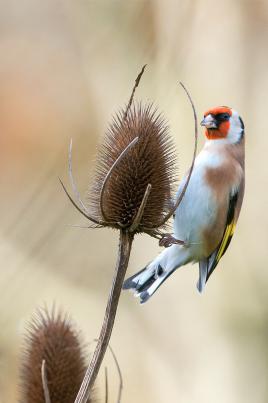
{"points": [[167, 240]]}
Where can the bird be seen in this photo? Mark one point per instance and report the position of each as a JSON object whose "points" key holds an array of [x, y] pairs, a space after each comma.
{"points": [[205, 219]]}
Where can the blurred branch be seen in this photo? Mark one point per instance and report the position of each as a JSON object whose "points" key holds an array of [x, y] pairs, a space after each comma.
{"points": [[106, 385]]}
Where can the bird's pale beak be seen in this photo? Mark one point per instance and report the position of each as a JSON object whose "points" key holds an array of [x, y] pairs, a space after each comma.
{"points": [[209, 122]]}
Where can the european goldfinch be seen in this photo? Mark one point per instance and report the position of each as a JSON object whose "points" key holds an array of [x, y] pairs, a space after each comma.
{"points": [[205, 219]]}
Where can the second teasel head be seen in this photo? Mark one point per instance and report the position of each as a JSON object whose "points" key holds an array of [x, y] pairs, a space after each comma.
{"points": [[52, 339]]}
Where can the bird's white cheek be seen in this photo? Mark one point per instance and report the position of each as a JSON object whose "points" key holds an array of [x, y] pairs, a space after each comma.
{"points": [[234, 133]]}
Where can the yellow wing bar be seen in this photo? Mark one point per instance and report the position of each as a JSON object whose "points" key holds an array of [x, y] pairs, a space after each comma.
{"points": [[215, 257], [228, 233]]}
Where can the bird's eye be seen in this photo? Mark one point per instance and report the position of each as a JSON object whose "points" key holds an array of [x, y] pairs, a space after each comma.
{"points": [[222, 117]]}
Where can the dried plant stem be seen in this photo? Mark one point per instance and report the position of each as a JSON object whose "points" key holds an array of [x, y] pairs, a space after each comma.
{"points": [[73, 184], [106, 385], [44, 382], [91, 218], [120, 389], [140, 212], [137, 81], [182, 193], [103, 341]]}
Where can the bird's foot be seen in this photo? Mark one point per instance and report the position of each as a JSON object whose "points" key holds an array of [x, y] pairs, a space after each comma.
{"points": [[168, 240]]}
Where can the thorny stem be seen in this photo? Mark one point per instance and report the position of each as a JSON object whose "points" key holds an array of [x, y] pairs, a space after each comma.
{"points": [[125, 243]]}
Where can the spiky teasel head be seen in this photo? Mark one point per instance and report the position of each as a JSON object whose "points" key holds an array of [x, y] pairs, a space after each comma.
{"points": [[136, 161], [53, 360], [135, 172]]}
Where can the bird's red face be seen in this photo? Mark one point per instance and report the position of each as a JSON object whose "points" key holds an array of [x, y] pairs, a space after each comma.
{"points": [[217, 122]]}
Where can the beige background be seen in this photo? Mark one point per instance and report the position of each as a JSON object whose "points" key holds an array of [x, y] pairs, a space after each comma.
{"points": [[66, 66]]}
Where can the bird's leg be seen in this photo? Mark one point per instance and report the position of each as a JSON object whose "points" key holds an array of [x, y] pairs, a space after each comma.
{"points": [[168, 240]]}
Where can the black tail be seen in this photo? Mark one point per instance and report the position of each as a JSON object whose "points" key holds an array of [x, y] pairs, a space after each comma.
{"points": [[131, 282], [146, 282]]}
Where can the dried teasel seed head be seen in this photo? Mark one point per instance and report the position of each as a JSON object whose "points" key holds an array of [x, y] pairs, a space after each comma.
{"points": [[124, 172], [52, 340]]}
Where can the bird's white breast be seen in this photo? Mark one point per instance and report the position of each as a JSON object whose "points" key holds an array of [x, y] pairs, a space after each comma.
{"points": [[198, 208]]}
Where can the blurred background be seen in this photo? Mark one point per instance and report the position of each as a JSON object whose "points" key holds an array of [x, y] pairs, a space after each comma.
{"points": [[66, 67]]}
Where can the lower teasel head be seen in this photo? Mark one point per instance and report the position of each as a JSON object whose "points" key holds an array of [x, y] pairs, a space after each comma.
{"points": [[53, 360]]}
